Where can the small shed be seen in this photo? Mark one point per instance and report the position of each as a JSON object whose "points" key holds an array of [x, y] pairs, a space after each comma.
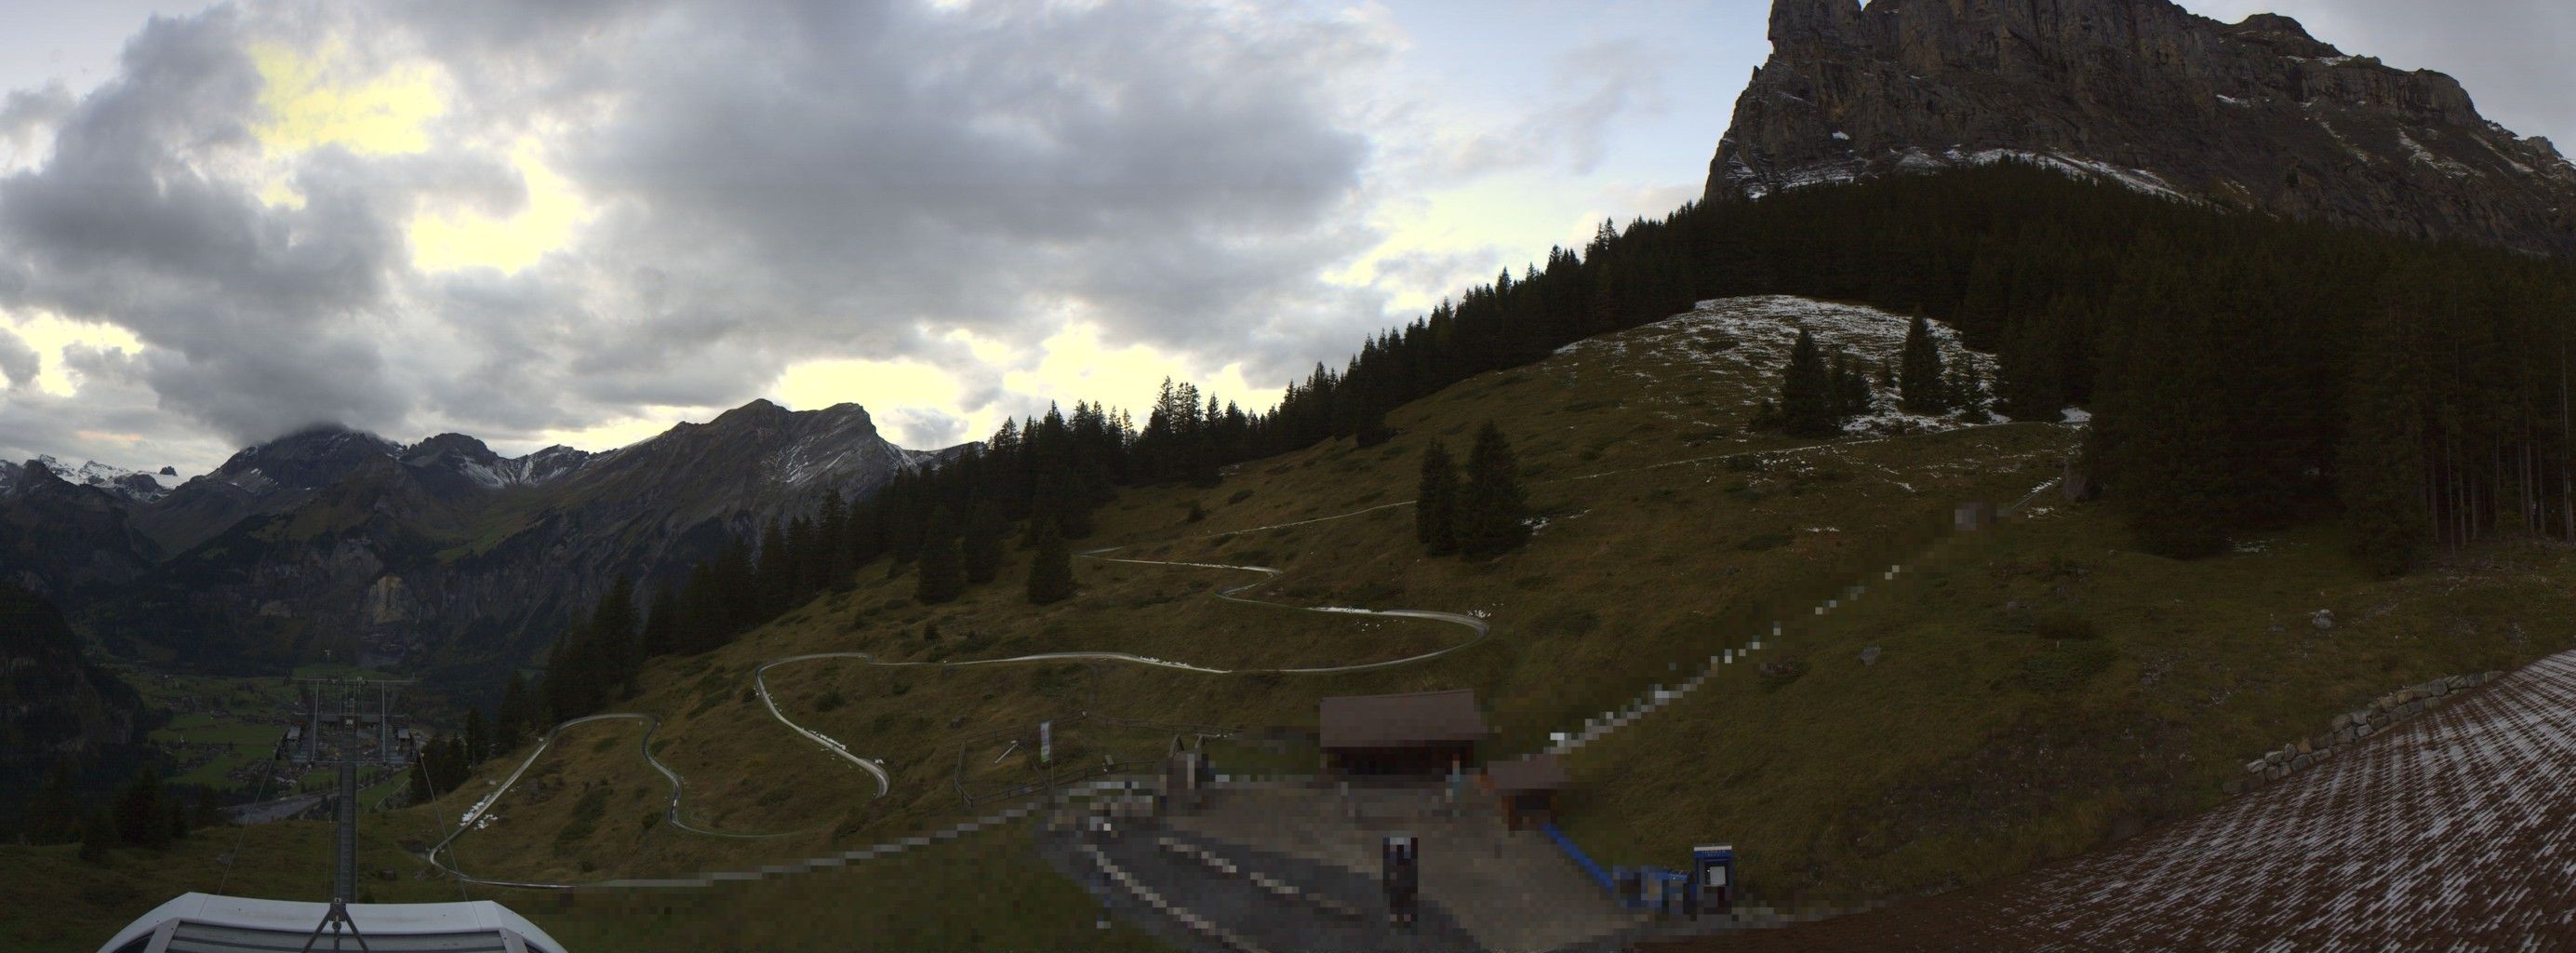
{"points": [[1421, 733], [1526, 787]]}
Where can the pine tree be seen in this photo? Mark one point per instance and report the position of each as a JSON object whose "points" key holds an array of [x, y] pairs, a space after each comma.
{"points": [[2381, 467], [1852, 395], [142, 818], [1491, 512], [1051, 567], [1435, 510], [943, 565], [776, 576], [209, 810], [832, 543], [478, 741], [982, 545], [2031, 372], [661, 634], [1921, 385], [54, 812], [1806, 391], [613, 632], [516, 715]]}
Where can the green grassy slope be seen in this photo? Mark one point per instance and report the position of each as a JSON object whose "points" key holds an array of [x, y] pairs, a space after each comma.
{"points": [[1973, 748], [1979, 744]]}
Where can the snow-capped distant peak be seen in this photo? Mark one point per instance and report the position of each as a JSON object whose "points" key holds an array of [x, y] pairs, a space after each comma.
{"points": [[132, 484]]}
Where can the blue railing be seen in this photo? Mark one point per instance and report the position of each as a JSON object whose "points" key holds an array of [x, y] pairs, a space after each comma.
{"points": [[1654, 888], [1581, 859]]}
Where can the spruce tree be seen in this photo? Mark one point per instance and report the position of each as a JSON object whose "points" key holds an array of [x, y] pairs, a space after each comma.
{"points": [[943, 563], [776, 577], [1492, 515], [516, 716], [142, 819], [982, 545], [1852, 395], [478, 740], [2381, 468], [2031, 372], [54, 813], [1051, 566], [1806, 391], [613, 632], [1920, 382], [1435, 509], [209, 811]]}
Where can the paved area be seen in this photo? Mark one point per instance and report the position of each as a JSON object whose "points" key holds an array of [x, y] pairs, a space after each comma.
{"points": [[1511, 891], [2456, 831], [1319, 918]]}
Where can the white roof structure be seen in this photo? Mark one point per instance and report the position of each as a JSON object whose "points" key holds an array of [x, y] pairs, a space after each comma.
{"points": [[206, 923]]}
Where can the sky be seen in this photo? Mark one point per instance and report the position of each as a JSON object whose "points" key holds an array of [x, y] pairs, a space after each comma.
{"points": [[583, 221]]}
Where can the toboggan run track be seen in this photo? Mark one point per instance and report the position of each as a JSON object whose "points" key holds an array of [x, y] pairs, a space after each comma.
{"points": [[884, 782]]}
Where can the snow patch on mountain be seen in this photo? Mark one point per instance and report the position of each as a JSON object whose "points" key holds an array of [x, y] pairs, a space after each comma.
{"points": [[136, 485], [1754, 336], [535, 469]]}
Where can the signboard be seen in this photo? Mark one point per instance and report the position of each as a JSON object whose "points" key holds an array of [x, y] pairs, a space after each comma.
{"points": [[1046, 742]]}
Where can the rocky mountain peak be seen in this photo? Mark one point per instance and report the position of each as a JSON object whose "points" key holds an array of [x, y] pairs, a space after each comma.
{"points": [[451, 446], [1809, 22], [313, 457], [760, 409], [2256, 115]]}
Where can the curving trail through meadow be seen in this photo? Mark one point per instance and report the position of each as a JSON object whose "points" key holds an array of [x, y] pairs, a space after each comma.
{"points": [[884, 781]]}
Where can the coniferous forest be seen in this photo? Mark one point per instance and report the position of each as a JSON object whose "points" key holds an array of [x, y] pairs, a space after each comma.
{"points": [[2244, 372]]}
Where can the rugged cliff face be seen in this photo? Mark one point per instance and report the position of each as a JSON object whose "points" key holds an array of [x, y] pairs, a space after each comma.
{"points": [[2254, 115], [53, 703], [435, 555]]}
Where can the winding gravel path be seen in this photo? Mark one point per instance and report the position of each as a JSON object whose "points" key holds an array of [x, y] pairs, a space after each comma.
{"points": [[875, 768]]}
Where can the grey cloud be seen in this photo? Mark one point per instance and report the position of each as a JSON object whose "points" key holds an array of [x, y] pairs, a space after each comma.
{"points": [[773, 181], [1593, 85], [26, 111], [131, 220], [19, 362], [886, 166]]}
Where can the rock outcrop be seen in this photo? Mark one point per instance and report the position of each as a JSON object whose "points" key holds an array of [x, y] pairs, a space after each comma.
{"points": [[2252, 115], [53, 703]]}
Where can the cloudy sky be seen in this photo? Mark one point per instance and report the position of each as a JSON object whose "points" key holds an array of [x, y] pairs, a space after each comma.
{"points": [[581, 221]]}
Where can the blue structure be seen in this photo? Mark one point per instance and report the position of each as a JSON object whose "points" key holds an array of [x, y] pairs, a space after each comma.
{"points": [[1712, 880], [1708, 885], [1581, 859]]}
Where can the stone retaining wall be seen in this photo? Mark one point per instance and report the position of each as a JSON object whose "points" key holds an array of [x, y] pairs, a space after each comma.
{"points": [[2385, 712]]}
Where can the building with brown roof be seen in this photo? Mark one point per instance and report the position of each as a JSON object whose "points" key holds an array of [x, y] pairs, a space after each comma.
{"points": [[1419, 733], [1527, 788]]}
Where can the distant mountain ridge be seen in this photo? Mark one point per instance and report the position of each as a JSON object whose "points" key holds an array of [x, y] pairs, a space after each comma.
{"points": [[2251, 115], [438, 553]]}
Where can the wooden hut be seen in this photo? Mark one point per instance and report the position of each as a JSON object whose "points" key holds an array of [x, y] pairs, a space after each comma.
{"points": [[1422, 734], [1526, 788]]}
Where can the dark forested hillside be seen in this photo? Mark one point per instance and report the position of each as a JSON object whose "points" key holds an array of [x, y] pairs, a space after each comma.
{"points": [[2244, 370]]}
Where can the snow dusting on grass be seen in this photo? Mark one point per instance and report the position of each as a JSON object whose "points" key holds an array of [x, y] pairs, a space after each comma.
{"points": [[1748, 339]]}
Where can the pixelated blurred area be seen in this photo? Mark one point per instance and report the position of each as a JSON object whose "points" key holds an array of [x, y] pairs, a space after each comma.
{"points": [[2451, 832]]}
